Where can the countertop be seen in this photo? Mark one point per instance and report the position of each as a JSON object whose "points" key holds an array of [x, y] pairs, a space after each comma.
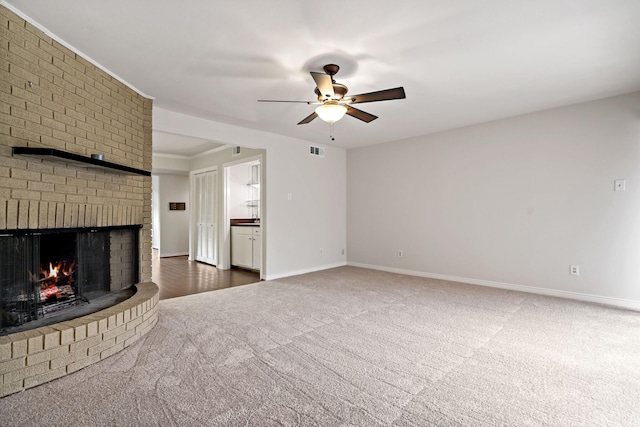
{"points": [[254, 222]]}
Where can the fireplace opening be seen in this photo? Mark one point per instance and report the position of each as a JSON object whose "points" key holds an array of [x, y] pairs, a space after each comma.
{"points": [[47, 276], [55, 280]]}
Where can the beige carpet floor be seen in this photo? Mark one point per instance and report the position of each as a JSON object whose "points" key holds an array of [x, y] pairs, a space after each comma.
{"points": [[356, 347]]}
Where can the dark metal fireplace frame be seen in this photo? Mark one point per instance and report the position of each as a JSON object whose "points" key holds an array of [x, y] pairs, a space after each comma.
{"points": [[30, 306]]}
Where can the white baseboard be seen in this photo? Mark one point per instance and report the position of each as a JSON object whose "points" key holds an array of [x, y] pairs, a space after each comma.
{"points": [[618, 302], [173, 254], [304, 271]]}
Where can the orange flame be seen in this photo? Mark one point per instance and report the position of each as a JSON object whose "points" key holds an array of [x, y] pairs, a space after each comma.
{"points": [[61, 268], [53, 271]]}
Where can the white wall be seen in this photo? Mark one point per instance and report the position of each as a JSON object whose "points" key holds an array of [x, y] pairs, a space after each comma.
{"points": [[293, 230], [171, 164], [239, 177], [174, 225], [155, 210], [508, 203]]}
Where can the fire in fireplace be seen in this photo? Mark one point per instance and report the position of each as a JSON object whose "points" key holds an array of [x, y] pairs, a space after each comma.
{"points": [[56, 280], [56, 283], [43, 272]]}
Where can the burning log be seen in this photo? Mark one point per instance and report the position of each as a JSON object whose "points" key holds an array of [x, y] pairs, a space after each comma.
{"points": [[57, 281]]}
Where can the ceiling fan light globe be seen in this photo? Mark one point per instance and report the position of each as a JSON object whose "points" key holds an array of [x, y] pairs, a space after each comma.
{"points": [[331, 113]]}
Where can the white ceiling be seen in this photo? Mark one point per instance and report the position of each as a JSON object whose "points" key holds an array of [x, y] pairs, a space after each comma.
{"points": [[460, 62], [180, 145]]}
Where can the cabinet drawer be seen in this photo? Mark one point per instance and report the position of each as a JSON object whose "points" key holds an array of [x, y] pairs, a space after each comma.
{"points": [[241, 230], [245, 230]]}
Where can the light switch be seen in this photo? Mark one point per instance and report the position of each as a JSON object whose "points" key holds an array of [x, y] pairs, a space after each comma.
{"points": [[619, 185]]}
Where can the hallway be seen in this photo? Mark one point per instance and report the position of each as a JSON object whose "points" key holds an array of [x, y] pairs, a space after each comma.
{"points": [[177, 276]]}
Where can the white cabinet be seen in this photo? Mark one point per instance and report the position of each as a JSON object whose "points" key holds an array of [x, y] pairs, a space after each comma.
{"points": [[246, 246]]}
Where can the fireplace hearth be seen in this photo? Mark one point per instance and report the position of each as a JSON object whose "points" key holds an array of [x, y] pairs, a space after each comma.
{"points": [[46, 272]]}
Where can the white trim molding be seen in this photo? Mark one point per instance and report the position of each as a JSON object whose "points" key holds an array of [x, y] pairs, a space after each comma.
{"points": [[195, 156], [71, 48], [172, 156], [173, 254], [618, 302], [305, 271]]}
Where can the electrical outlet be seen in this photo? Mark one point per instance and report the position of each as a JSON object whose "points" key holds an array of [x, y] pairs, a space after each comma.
{"points": [[343, 252], [574, 270], [399, 254], [321, 251], [289, 196]]}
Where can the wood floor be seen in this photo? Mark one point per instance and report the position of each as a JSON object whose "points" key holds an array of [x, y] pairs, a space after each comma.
{"points": [[177, 276]]}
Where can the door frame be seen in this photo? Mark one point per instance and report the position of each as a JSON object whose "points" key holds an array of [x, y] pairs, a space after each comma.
{"points": [[224, 254], [193, 214]]}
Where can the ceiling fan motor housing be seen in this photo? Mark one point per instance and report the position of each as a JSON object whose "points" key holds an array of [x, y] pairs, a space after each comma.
{"points": [[339, 91]]}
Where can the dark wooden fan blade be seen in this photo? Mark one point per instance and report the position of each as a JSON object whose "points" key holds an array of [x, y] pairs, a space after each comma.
{"points": [[324, 83], [308, 118], [381, 95], [275, 100], [359, 114]]}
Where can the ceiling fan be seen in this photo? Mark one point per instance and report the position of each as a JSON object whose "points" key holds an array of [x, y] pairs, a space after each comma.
{"points": [[333, 102]]}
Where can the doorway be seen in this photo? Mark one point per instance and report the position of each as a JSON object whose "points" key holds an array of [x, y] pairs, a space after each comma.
{"points": [[243, 209]]}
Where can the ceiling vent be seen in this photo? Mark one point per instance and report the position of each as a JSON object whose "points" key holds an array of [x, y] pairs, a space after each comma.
{"points": [[316, 151], [235, 151]]}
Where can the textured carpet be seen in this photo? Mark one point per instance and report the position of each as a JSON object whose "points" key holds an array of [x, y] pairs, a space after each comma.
{"points": [[356, 347]]}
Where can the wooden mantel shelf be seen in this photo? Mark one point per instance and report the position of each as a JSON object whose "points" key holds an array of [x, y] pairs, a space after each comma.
{"points": [[78, 159]]}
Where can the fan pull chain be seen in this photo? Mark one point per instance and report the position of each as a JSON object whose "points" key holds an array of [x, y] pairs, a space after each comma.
{"points": [[331, 132]]}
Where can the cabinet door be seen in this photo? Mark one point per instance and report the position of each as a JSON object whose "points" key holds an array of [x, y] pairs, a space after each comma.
{"points": [[257, 251], [242, 250]]}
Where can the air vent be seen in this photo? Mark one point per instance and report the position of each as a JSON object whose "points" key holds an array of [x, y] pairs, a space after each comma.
{"points": [[235, 151], [316, 151]]}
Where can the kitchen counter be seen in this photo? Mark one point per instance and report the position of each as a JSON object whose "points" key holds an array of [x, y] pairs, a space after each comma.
{"points": [[244, 221]]}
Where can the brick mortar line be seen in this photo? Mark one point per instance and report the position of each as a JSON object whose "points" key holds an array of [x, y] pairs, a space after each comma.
{"points": [[41, 363]]}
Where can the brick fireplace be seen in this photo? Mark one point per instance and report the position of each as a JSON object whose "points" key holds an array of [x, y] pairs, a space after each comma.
{"points": [[54, 99]]}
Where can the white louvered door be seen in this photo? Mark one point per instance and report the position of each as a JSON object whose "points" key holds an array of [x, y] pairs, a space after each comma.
{"points": [[206, 217]]}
